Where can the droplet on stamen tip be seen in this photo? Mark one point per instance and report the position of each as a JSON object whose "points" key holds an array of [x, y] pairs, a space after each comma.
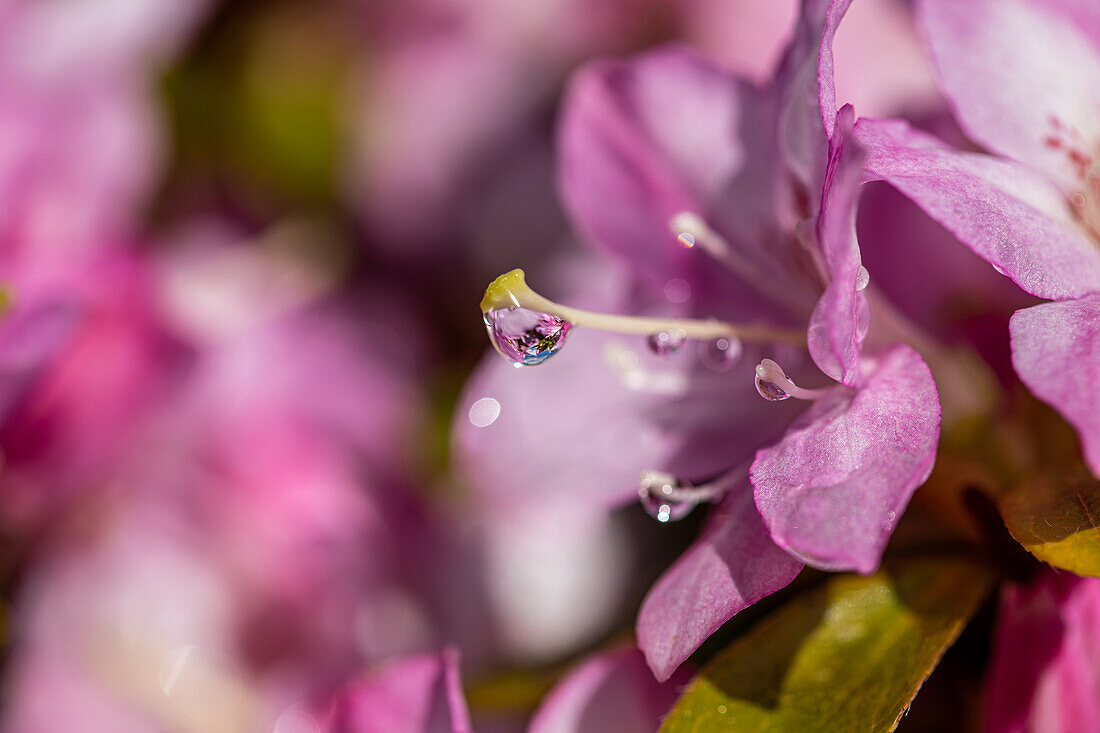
{"points": [[769, 376], [686, 239], [661, 496], [721, 353], [526, 337], [664, 343], [863, 279]]}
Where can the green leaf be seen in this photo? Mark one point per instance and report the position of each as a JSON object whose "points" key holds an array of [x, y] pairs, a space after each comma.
{"points": [[1055, 519], [848, 656]]}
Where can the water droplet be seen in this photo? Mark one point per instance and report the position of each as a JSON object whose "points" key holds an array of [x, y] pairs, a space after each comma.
{"points": [[677, 290], [887, 526], [770, 390], [686, 239], [999, 269], [659, 496], [484, 412], [664, 343], [721, 353], [863, 278], [526, 337], [722, 709]]}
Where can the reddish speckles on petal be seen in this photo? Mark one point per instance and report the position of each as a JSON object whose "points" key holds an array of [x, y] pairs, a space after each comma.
{"points": [[1052, 142], [1080, 161]]}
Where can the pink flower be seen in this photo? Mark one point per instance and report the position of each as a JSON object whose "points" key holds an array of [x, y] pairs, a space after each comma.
{"points": [[1045, 666], [1022, 77], [761, 185]]}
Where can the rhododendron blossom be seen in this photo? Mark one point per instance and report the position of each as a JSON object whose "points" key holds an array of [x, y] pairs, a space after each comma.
{"points": [[747, 197]]}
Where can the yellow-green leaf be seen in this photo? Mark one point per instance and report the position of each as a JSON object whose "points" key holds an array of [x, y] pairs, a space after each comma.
{"points": [[1055, 519], [848, 656]]}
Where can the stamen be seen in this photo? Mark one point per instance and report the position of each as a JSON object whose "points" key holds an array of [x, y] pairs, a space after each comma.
{"points": [[527, 328], [669, 499], [774, 385], [691, 231], [1085, 202]]}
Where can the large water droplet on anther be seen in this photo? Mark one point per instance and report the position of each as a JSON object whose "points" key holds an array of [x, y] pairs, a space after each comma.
{"points": [[664, 343], [721, 353], [686, 239], [770, 391], [863, 278], [661, 495], [526, 337], [768, 378]]}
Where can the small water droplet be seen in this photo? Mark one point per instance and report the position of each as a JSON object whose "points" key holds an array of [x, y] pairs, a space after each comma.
{"points": [[770, 390], [892, 515], [999, 269], [721, 353], [686, 239], [664, 343], [526, 337], [722, 709], [887, 525], [658, 496], [677, 290], [484, 412], [863, 278]]}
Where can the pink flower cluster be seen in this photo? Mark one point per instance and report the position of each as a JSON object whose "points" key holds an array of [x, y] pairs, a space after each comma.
{"points": [[809, 255]]}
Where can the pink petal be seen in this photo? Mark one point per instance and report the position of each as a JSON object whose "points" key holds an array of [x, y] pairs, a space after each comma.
{"points": [[612, 691], [840, 319], [1009, 215], [1045, 666], [826, 72], [920, 266], [806, 89], [1024, 76], [1056, 352], [732, 565], [643, 140], [661, 413], [831, 490], [414, 695]]}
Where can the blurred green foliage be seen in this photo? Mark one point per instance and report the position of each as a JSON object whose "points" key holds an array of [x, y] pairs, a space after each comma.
{"points": [[260, 104]]}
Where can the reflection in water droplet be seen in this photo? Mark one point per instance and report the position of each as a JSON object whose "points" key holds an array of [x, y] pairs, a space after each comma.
{"points": [[172, 668], [720, 354], [484, 412], [526, 337], [887, 526], [202, 684], [296, 720], [863, 278], [677, 290], [686, 239], [770, 390], [664, 343], [658, 495]]}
